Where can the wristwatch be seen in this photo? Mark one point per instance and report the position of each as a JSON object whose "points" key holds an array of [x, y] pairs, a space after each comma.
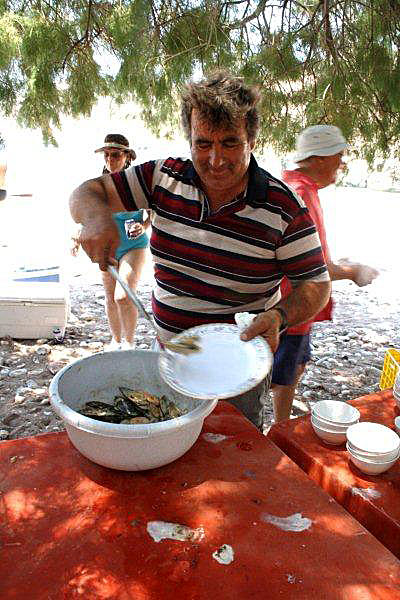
{"points": [[284, 323]]}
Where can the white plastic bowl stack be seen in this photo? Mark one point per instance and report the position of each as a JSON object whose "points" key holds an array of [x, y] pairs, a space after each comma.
{"points": [[372, 447], [330, 420]]}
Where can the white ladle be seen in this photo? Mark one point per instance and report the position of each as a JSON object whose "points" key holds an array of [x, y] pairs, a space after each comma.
{"points": [[187, 345]]}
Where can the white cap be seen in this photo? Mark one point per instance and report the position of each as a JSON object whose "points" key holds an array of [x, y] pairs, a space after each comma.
{"points": [[319, 140]]}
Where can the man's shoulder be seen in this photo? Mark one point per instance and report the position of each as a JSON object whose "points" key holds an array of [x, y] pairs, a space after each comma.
{"points": [[300, 183], [271, 191], [176, 167], [159, 171]]}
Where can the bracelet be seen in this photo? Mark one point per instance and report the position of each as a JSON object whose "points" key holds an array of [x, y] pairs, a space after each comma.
{"points": [[284, 323]]}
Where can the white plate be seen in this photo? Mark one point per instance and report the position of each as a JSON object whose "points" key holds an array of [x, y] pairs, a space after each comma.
{"points": [[225, 367]]}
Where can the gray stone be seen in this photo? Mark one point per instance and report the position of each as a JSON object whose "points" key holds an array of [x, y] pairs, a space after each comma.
{"points": [[43, 350], [18, 372], [8, 418], [31, 383]]}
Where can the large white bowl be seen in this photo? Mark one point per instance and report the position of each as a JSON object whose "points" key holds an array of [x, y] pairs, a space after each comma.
{"points": [[124, 447], [397, 424], [373, 437], [330, 437], [336, 411], [370, 467]]}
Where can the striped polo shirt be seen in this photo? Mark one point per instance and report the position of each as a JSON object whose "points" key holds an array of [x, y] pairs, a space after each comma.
{"points": [[208, 265]]}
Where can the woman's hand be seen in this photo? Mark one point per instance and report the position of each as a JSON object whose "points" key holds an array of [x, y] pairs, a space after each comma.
{"points": [[134, 230]]}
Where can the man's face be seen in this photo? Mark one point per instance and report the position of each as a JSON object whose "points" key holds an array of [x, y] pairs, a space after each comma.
{"points": [[220, 156], [329, 167]]}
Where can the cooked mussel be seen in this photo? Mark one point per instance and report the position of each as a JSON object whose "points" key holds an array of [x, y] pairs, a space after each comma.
{"points": [[101, 411], [139, 397], [127, 407], [132, 407]]}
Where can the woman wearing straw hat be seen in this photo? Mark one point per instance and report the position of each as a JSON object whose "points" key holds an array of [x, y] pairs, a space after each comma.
{"points": [[131, 253]]}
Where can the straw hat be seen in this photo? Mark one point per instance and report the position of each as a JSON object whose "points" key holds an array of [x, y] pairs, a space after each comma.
{"points": [[116, 140]]}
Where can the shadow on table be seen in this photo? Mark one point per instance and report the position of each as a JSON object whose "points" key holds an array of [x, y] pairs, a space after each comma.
{"points": [[75, 529]]}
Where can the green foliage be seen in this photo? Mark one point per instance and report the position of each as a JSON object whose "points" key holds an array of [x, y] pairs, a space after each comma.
{"points": [[316, 62]]}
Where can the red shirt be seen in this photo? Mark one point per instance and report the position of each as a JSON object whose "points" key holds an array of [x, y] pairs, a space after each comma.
{"points": [[307, 189]]}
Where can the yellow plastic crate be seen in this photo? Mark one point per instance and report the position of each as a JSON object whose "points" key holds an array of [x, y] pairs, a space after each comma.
{"points": [[391, 366]]}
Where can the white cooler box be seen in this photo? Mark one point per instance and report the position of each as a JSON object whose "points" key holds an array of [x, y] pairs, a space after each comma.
{"points": [[32, 310]]}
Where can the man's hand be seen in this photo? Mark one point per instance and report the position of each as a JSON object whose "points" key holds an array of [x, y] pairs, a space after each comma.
{"points": [[266, 324], [345, 269], [364, 275], [100, 238], [303, 302]]}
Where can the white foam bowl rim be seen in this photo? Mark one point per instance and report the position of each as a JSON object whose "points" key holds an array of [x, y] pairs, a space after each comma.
{"points": [[336, 411], [329, 426], [371, 468], [375, 458], [330, 437], [368, 453], [330, 422]]}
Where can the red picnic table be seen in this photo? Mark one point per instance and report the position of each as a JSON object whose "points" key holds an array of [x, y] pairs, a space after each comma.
{"points": [[374, 500], [233, 518]]}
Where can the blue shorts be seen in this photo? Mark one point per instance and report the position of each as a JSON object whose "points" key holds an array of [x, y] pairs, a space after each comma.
{"points": [[126, 243], [293, 350]]}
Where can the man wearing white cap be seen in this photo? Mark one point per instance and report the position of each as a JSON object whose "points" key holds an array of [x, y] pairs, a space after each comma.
{"points": [[319, 156]]}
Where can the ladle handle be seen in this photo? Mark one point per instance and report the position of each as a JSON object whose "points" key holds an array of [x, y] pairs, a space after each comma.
{"points": [[132, 296]]}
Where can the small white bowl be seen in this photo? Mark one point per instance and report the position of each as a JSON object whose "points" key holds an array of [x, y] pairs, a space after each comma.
{"points": [[369, 467], [373, 438], [397, 424], [329, 426], [330, 437], [337, 411]]}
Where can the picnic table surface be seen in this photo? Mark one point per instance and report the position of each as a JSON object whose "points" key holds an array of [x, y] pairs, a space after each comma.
{"points": [[233, 518], [374, 500]]}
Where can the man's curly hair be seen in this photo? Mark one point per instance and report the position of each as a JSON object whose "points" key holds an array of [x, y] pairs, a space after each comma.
{"points": [[221, 99]]}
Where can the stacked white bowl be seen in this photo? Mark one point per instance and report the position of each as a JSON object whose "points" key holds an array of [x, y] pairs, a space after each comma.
{"points": [[372, 447], [330, 420], [397, 424]]}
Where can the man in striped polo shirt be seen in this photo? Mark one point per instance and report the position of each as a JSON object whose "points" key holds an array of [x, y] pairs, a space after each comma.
{"points": [[224, 231]]}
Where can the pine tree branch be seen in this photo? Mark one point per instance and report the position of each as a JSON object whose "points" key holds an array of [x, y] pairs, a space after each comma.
{"points": [[84, 39], [260, 8]]}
